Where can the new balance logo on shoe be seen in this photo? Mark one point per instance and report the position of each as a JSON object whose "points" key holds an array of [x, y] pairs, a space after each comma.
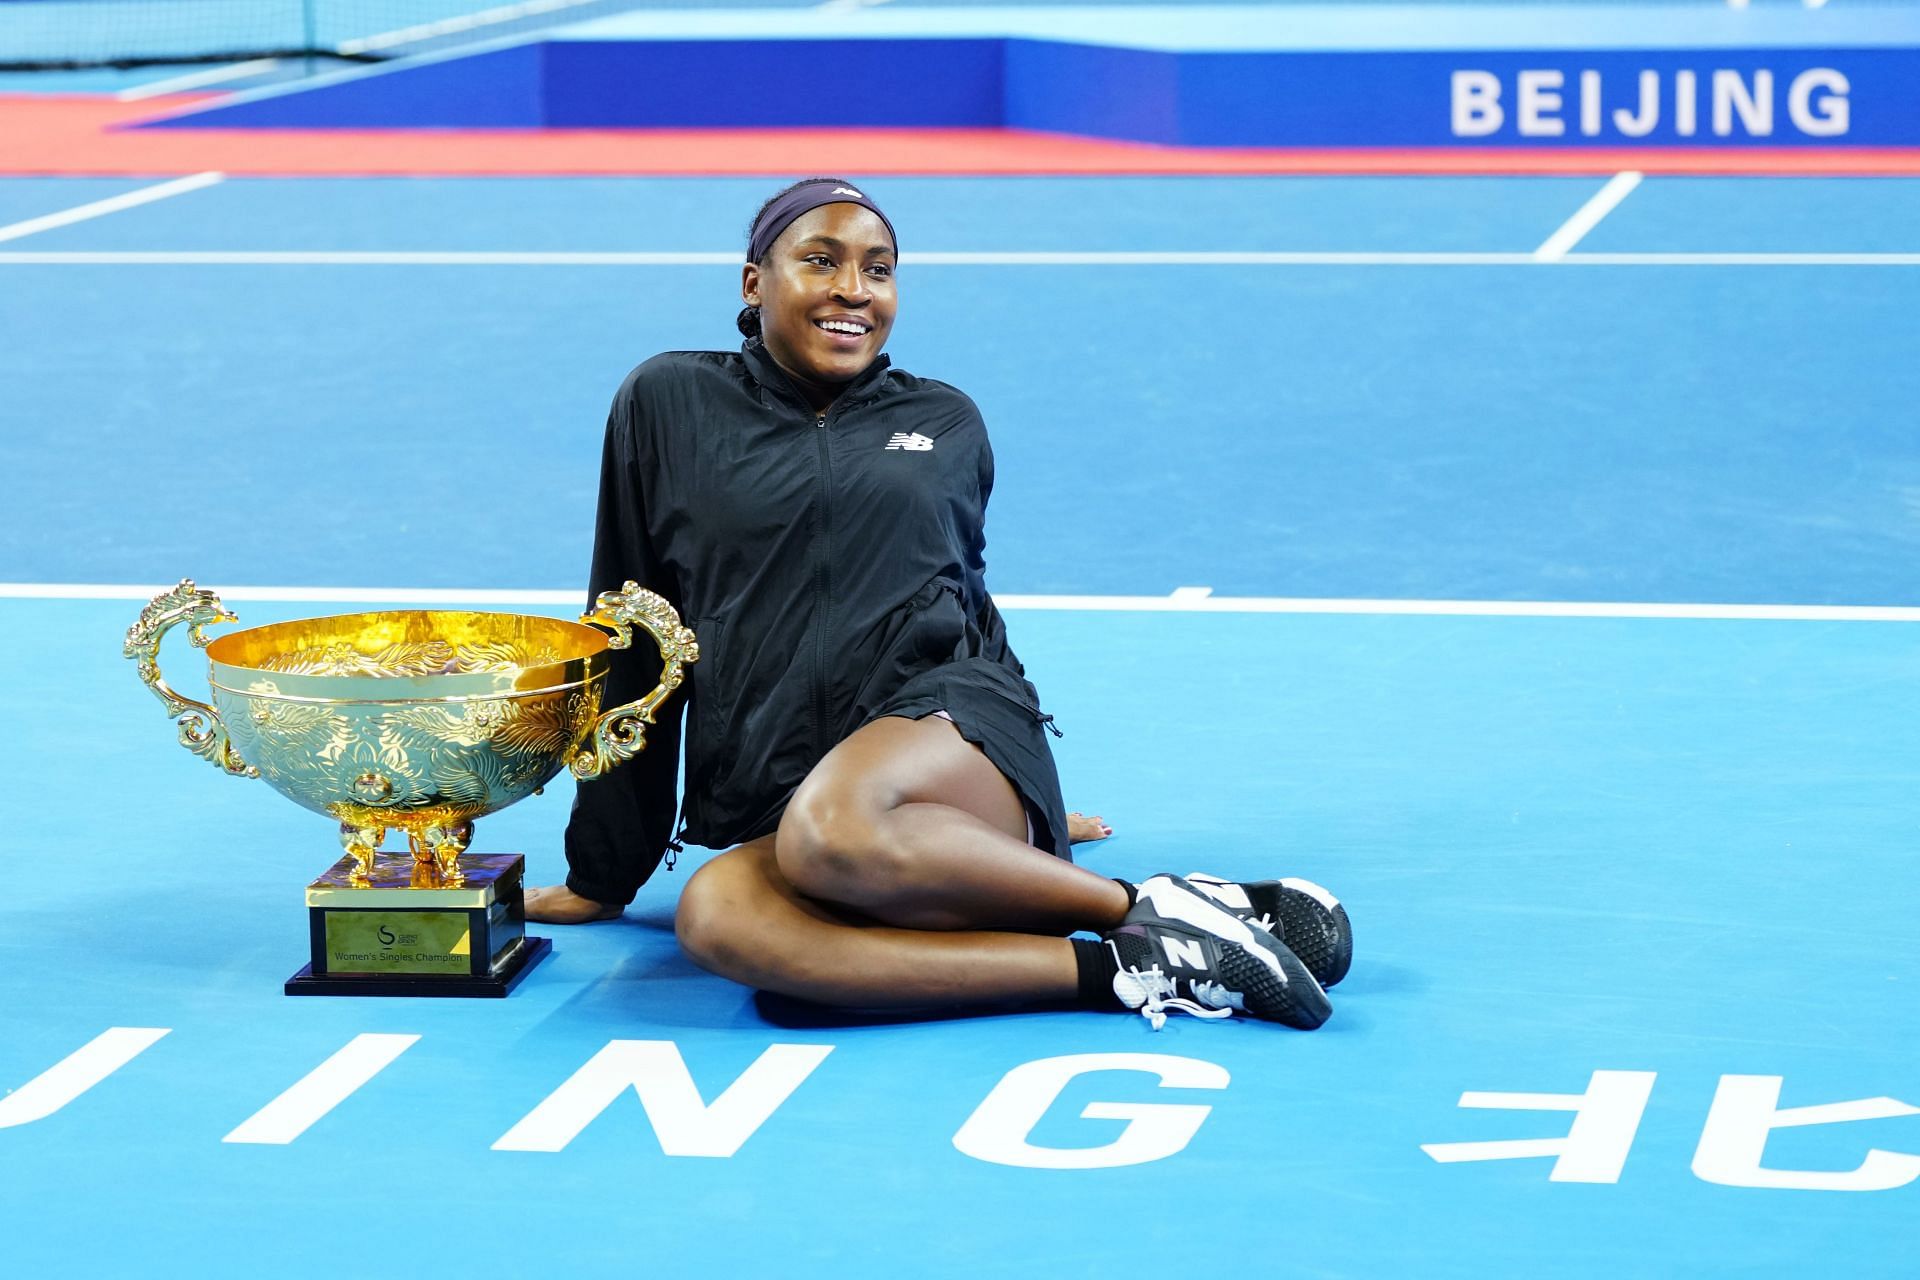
{"points": [[1180, 951], [1299, 912], [913, 441]]}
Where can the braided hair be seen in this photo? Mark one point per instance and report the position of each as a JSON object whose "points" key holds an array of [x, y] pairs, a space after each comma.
{"points": [[748, 321]]}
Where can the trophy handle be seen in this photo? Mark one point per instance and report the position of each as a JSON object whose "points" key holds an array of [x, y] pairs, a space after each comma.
{"points": [[201, 729], [619, 734]]}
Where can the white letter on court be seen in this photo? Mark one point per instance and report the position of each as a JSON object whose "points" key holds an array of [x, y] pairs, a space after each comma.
{"points": [[1833, 116], [1730, 94], [1534, 99], [1590, 104], [1746, 1109], [997, 1130], [684, 1124], [1639, 126], [1476, 104], [76, 1073], [1606, 1118]]}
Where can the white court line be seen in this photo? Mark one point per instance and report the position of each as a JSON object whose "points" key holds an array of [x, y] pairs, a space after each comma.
{"points": [[1181, 600], [454, 25], [431, 258], [1587, 216], [1207, 258], [197, 79], [373, 258], [1741, 260], [113, 204], [299, 595], [1465, 608], [321, 1090]]}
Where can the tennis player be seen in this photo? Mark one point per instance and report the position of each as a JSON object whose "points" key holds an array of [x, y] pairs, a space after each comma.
{"points": [[860, 738]]}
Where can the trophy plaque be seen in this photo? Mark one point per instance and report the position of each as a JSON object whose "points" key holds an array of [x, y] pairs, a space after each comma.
{"points": [[402, 924], [421, 721]]}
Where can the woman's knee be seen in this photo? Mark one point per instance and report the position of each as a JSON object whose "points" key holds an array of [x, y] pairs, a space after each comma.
{"points": [[832, 846], [714, 911]]}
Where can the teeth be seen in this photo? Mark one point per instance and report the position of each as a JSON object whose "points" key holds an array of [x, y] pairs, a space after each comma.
{"points": [[841, 326]]}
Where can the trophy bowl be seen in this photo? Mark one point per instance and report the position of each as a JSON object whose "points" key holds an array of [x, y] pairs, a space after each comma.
{"points": [[420, 720]]}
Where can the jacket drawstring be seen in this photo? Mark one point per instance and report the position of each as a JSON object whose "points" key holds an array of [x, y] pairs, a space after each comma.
{"points": [[676, 843]]}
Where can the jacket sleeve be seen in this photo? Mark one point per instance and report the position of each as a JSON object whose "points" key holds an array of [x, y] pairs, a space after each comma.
{"points": [[993, 628], [622, 822]]}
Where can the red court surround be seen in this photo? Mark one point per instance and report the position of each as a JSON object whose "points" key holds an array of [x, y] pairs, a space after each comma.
{"points": [[75, 135]]}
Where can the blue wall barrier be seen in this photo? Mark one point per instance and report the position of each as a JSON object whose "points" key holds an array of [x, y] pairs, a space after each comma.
{"points": [[751, 83], [1255, 98]]}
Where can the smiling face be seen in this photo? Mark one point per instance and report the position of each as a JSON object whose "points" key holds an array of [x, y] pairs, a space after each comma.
{"points": [[826, 296]]}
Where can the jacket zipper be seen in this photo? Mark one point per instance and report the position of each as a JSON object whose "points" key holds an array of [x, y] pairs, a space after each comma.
{"points": [[822, 588]]}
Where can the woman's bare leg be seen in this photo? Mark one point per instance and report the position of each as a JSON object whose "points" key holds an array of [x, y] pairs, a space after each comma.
{"points": [[557, 904], [876, 787], [741, 918], [909, 823]]}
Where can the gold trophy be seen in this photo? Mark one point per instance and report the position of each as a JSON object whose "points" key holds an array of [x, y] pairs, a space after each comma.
{"points": [[424, 721]]}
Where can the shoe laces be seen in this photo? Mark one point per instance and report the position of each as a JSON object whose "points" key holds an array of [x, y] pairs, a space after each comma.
{"points": [[1161, 994]]}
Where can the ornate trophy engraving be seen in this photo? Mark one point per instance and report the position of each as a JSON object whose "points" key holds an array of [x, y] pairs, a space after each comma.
{"points": [[422, 721]]}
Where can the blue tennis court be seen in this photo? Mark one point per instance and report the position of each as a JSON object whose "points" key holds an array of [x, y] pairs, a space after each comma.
{"points": [[1555, 613]]}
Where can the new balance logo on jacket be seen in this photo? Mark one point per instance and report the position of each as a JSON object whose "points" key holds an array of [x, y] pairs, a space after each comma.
{"points": [[910, 440]]}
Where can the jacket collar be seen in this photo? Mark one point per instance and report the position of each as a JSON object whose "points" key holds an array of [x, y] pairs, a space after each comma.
{"points": [[766, 371]]}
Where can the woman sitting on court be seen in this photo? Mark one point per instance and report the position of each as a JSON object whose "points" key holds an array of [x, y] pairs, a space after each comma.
{"points": [[861, 740]]}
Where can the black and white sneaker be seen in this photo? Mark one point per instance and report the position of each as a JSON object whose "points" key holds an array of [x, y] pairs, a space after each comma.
{"points": [[1299, 912], [1179, 950]]}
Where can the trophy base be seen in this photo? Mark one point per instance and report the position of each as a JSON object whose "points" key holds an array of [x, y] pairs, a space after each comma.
{"points": [[404, 930], [522, 956]]}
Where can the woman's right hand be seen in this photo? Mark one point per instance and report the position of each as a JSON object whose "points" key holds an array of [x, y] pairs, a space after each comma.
{"points": [[557, 904]]}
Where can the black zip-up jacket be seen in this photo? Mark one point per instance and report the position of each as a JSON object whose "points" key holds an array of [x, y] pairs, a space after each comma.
{"points": [[831, 566]]}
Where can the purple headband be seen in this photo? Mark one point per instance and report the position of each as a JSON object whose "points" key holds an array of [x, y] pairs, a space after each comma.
{"points": [[808, 196]]}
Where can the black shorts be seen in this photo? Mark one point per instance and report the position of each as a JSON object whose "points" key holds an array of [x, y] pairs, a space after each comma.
{"points": [[999, 712]]}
